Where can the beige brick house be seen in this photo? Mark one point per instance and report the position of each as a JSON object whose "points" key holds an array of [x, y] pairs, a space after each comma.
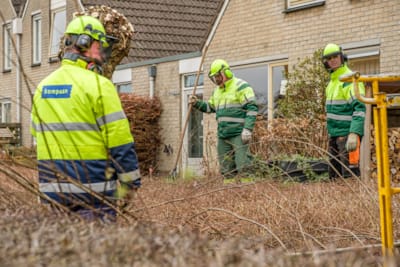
{"points": [[258, 38]]}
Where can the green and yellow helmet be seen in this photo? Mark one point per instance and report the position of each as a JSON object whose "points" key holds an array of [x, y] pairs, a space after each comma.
{"points": [[219, 65], [90, 26], [331, 50]]}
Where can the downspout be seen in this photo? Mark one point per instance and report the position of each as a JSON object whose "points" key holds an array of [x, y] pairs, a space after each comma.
{"points": [[152, 77], [17, 30]]}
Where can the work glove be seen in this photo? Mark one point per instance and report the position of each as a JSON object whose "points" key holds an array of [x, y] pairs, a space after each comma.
{"points": [[193, 99], [246, 136], [351, 143]]}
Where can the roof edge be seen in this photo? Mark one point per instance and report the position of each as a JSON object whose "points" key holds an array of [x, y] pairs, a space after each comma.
{"points": [[158, 60]]}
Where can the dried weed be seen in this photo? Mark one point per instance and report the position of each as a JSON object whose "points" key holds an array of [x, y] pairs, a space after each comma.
{"points": [[201, 222]]}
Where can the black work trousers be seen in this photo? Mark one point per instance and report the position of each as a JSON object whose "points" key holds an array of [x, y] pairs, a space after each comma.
{"points": [[339, 159]]}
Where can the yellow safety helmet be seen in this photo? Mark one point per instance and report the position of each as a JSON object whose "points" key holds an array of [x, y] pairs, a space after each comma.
{"points": [[220, 65], [332, 50], [88, 27]]}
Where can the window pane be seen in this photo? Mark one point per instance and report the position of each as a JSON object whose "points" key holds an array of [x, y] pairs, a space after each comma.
{"points": [[297, 3], [7, 112], [125, 88], [278, 75], [58, 28], [36, 40], [195, 132], [257, 77], [7, 46], [191, 79]]}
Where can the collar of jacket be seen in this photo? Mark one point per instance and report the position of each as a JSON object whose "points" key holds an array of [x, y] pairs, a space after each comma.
{"points": [[74, 59], [339, 71], [227, 83]]}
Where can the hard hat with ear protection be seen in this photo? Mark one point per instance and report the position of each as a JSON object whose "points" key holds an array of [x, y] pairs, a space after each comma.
{"points": [[85, 29], [81, 32], [218, 66], [332, 50]]}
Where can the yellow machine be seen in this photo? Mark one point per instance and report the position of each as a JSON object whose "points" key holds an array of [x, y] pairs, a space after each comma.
{"points": [[380, 101]]}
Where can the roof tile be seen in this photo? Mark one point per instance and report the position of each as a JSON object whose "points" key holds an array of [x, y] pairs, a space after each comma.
{"points": [[165, 27]]}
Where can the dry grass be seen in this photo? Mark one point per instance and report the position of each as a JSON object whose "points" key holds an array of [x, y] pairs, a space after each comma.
{"points": [[201, 222]]}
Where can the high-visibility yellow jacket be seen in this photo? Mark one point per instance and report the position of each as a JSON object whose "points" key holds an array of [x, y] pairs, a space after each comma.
{"points": [[234, 105], [81, 130], [345, 113]]}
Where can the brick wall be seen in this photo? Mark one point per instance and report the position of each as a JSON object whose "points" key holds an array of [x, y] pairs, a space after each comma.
{"points": [[260, 28], [7, 84]]}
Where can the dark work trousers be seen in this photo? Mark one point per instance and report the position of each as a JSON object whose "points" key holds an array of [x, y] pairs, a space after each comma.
{"points": [[233, 156], [339, 159]]}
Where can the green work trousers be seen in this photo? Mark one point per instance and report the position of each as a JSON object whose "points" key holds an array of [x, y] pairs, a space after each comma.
{"points": [[233, 156]]}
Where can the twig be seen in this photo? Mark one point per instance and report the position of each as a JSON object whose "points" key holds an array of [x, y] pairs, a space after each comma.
{"points": [[337, 250], [251, 221], [192, 197]]}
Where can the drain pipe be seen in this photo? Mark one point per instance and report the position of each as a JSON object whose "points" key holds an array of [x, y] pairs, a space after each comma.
{"points": [[152, 77], [17, 30]]}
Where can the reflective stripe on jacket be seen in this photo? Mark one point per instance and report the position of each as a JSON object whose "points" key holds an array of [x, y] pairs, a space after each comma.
{"points": [[81, 129], [234, 105], [345, 113]]}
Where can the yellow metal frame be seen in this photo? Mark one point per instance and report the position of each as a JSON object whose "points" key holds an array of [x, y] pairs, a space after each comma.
{"points": [[381, 102]]}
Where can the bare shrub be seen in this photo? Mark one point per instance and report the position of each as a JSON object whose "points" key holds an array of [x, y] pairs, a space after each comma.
{"points": [[201, 223]]}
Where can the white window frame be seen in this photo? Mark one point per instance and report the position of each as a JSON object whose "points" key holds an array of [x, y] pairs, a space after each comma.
{"points": [[36, 38], [267, 87], [5, 112], [121, 78], [57, 31], [301, 4], [7, 46]]}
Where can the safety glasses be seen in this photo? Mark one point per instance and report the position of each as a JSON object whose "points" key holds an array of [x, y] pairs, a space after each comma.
{"points": [[111, 40], [216, 78], [327, 58]]}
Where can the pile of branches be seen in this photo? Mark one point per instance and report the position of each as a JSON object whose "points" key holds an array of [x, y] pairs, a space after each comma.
{"points": [[298, 136], [143, 114], [115, 25]]}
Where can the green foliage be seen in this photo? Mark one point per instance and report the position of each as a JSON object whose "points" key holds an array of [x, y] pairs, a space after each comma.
{"points": [[305, 90]]}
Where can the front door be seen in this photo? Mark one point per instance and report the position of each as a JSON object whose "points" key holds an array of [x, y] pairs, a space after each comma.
{"points": [[192, 150]]}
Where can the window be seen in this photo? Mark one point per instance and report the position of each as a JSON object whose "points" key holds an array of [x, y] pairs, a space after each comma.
{"points": [[5, 111], [266, 80], [36, 39], [293, 5], [195, 123], [58, 25], [363, 55], [190, 79], [277, 72], [7, 47], [125, 88], [368, 65]]}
